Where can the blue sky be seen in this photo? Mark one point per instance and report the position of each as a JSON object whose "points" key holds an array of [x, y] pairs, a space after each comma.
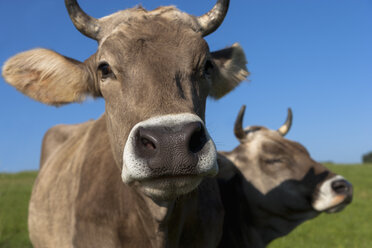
{"points": [[314, 56]]}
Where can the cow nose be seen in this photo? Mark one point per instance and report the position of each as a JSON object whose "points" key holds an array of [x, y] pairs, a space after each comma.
{"points": [[171, 150], [342, 187]]}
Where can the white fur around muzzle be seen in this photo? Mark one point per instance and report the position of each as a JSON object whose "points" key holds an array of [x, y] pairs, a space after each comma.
{"points": [[327, 198]]}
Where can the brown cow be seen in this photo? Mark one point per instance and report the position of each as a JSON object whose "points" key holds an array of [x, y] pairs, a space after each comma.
{"points": [[140, 175], [269, 185]]}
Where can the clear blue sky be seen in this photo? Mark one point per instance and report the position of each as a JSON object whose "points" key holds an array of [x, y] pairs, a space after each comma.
{"points": [[314, 56]]}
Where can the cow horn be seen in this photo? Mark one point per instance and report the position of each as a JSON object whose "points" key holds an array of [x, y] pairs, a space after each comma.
{"points": [[238, 127], [210, 21], [283, 130], [86, 24]]}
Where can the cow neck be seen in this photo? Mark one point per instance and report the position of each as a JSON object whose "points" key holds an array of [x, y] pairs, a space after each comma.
{"points": [[246, 224], [160, 213], [270, 226], [168, 218], [194, 218], [238, 229]]}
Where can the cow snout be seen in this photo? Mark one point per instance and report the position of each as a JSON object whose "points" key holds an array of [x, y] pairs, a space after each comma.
{"points": [[169, 146], [343, 187], [333, 195], [171, 150]]}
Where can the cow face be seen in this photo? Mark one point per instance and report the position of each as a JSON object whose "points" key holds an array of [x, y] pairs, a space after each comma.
{"points": [[155, 71], [284, 183]]}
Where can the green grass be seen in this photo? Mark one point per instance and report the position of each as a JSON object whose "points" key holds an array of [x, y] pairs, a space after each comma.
{"points": [[352, 228], [15, 191]]}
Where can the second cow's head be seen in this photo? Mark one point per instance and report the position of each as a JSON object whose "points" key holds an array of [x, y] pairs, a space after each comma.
{"points": [[155, 71]]}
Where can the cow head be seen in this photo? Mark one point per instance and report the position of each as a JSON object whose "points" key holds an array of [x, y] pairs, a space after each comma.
{"points": [[285, 185], [155, 71]]}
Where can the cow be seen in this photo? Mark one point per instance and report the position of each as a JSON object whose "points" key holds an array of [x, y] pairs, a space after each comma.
{"points": [[142, 175], [269, 185]]}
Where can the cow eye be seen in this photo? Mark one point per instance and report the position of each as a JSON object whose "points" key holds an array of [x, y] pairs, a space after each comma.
{"points": [[273, 161], [105, 70], [208, 68]]}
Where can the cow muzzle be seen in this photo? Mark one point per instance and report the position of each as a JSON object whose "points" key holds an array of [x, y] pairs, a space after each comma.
{"points": [[169, 155], [334, 195]]}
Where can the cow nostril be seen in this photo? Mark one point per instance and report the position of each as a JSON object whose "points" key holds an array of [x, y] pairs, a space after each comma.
{"points": [[341, 186], [198, 139], [148, 144]]}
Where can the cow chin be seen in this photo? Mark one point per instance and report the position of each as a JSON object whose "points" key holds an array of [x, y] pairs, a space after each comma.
{"points": [[166, 189], [336, 209]]}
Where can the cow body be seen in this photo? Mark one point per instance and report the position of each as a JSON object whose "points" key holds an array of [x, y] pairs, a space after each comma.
{"points": [[269, 185]]}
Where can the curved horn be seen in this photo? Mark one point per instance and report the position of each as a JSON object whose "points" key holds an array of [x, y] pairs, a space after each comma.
{"points": [[210, 21], [238, 127], [86, 24], [283, 130]]}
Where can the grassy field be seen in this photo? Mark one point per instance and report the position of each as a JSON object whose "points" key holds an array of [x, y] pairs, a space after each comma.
{"points": [[351, 228], [15, 191]]}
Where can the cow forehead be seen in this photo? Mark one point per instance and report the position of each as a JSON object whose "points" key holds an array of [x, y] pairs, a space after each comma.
{"points": [[138, 14], [154, 37], [270, 141], [257, 137]]}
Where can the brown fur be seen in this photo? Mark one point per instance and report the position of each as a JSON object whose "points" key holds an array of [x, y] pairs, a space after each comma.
{"points": [[55, 137]]}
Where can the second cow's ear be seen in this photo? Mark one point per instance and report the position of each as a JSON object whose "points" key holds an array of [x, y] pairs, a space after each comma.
{"points": [[49, 77], [230, 72]]}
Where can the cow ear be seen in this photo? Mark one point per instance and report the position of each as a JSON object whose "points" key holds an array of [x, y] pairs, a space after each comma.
{"points": [[49, 77], [230, 71]]}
